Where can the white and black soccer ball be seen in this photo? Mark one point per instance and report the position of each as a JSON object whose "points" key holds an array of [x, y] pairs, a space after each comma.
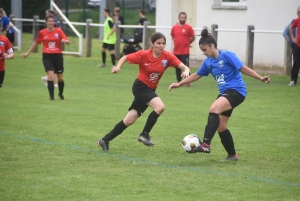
{"points": [[190, 141]]}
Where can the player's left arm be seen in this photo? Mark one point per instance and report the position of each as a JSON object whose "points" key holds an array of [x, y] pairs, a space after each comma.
{"points": [[248, 71]]}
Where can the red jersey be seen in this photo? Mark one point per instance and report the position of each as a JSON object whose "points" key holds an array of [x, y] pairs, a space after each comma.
{"points": [[151, 69], [181, 36], [296, 23], [4, 47], [51, 40]]}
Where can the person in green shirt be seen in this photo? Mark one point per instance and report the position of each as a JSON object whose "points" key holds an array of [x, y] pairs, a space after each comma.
{"points": [[109, 38]]}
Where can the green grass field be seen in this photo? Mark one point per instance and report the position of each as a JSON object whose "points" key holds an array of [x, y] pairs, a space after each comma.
{"points": [[48, 149]]}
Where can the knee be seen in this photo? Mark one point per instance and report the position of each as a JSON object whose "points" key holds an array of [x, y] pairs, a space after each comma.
{"points": [[129, 122], [222, 127], [160, 109]]}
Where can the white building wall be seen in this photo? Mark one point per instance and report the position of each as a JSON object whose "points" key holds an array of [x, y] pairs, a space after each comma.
{"points": [[262, 14]]}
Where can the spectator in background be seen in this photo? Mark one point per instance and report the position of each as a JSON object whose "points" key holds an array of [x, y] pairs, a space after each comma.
{"points": [[143, 18], [109, 38], [183, 35], [296, 51], [119, 17], [9, 31]]}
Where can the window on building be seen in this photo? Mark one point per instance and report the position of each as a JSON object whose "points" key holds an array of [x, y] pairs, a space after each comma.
{"points": [[230, 5]]}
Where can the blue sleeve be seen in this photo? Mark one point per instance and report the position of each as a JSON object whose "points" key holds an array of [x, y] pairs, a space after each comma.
{"points": [[234, 60], [203, 70], [5, 22], [286, 31]]}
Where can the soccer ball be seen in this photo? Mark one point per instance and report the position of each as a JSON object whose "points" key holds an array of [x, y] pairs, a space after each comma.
{"points": [[190, 141]]}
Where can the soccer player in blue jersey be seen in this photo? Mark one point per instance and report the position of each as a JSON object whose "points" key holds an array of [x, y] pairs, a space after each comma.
{"points": [[225, 67]]}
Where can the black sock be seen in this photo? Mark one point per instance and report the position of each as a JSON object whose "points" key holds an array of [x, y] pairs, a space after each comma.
{"points": [[113, 59], [103, 57], [211, 127], [61, 86], [152, 118], [227, 141], [50, 85], [117, 130]]}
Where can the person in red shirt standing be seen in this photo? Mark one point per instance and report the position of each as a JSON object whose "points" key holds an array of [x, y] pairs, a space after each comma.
{"points": [[296, 52], [183, 35], [52, 38], [152, 65], [6, 52]]}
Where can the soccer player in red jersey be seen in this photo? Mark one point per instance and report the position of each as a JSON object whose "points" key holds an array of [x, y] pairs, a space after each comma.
{"points": [[183, 35], [52, 38], [6, 52], [152, 65]]}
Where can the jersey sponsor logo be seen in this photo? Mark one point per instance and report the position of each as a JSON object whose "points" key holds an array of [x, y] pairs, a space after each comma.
{"points": [[154, 76], [220, 79], [164, 63], [221, 63], [51, 45]]}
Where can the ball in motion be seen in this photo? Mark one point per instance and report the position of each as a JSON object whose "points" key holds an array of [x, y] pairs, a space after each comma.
{"points": [[190, 141]]}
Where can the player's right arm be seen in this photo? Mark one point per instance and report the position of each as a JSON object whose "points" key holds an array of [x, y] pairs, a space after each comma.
{"points": [[34, 44], [189, 79]]}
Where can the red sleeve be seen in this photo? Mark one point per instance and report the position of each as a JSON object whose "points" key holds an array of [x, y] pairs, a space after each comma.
{"points": [[295, 22], [63, 35], [173, 60], [136, 57], [39, 38]]}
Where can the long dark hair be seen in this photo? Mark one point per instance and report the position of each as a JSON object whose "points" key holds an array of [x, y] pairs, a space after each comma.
{"points": [[207, 38]]}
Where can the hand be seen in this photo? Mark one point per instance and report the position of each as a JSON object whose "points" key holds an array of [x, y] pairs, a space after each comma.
{"points": [[107, 38], [25, 55], [185, 75], [65, 41], [265, 79], [295, 40], [5, 56], [115, 69], [173, 85]]}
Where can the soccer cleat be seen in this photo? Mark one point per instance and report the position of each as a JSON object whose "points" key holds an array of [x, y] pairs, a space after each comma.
{"points": [[51, 99], [61, 97], [101, 143], [101, 65], [145, 139], [202, 148], [292, 83], [45, 81], [231, 158]]}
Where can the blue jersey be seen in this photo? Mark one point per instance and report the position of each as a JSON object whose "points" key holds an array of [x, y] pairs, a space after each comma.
{"points": [[226, 71], [5, 23]]}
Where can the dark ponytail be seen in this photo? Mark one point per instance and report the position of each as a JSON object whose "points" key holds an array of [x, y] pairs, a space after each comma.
{"points": [[206, 38]]}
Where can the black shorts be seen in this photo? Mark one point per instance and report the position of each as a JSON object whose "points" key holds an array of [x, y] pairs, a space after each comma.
{"points": [[2, 73], [108, 46], [234, 98], [142, 95], [11, 37], [184, 58], [53, 62]]}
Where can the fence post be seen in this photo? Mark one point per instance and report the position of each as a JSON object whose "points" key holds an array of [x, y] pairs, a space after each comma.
{"points": [[88, 37], [118, 35], [146, 44], [250, 46], [35, 31], [214, 33], [287, 58]]}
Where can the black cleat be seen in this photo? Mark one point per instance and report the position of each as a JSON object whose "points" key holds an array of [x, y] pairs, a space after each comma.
{"points": [[231, 158], [61, 97], [51, 99], [202, 148], [145, 139], [103, 145]]}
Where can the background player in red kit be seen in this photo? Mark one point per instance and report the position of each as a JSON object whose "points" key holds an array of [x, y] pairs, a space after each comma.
{"points": [[183, 35], [52, 38], [152, 65], [6, 52]]}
